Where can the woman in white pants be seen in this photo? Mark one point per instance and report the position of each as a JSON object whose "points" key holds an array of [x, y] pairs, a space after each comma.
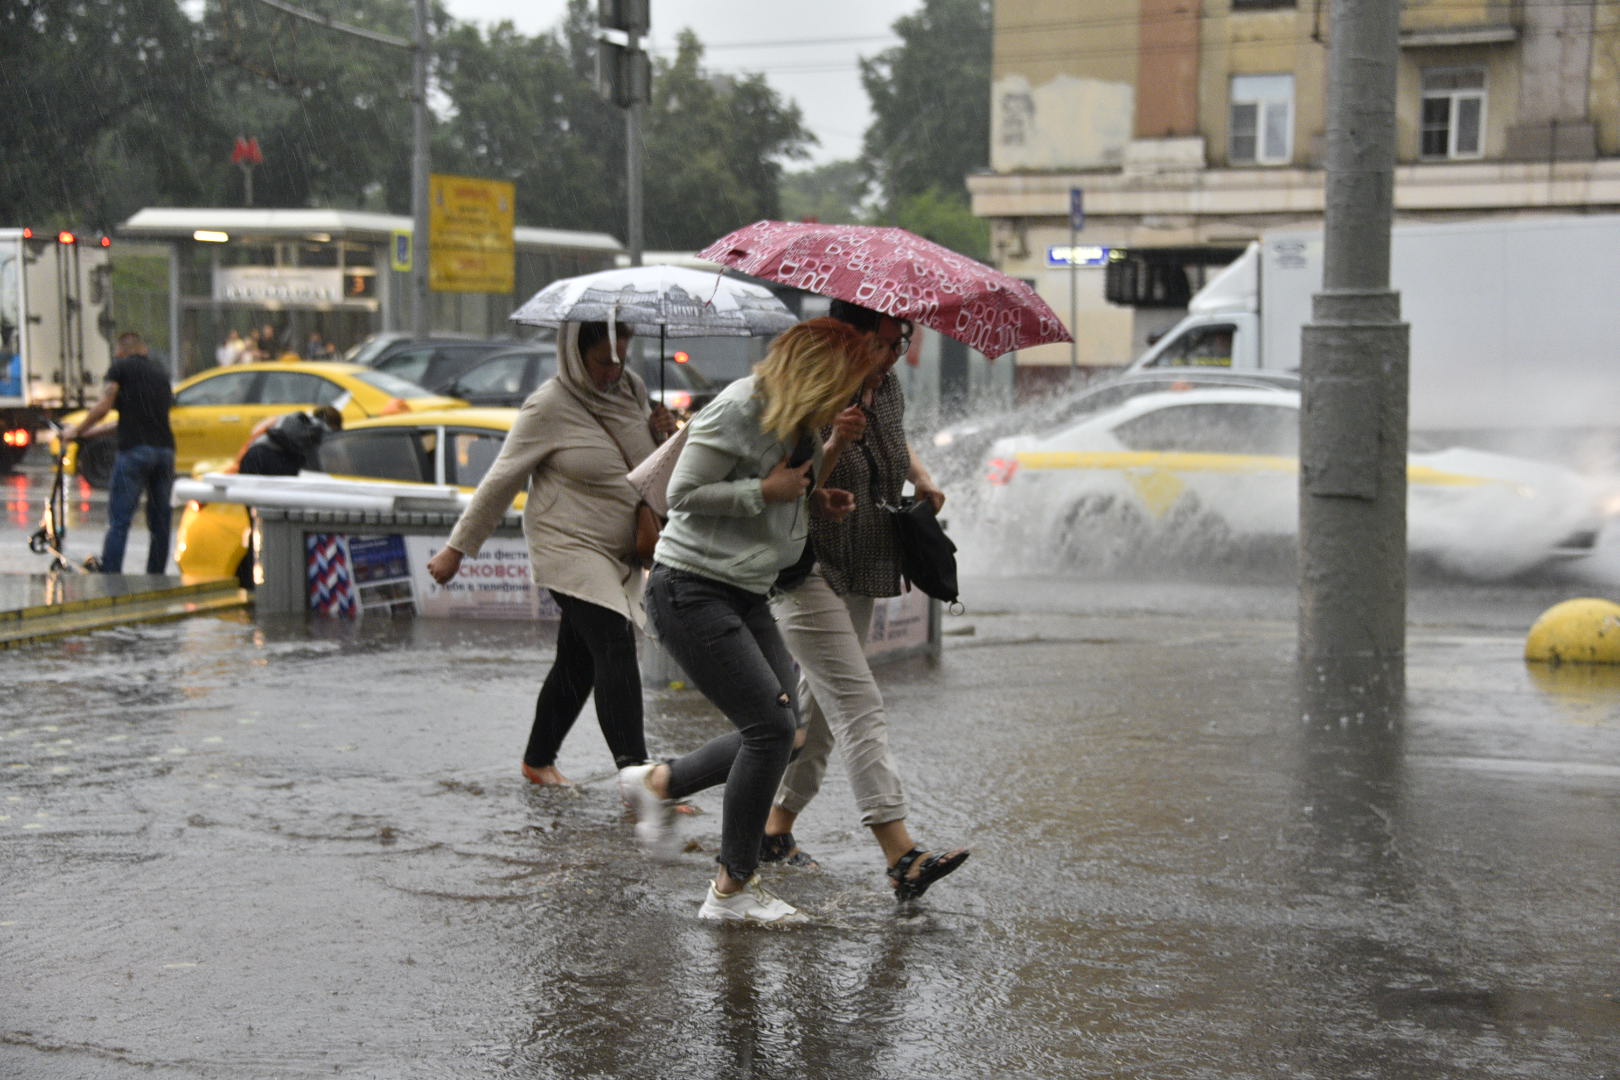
{"points": [[824, 621]]}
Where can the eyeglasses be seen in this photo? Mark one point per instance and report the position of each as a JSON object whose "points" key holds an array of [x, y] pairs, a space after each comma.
{"points": [[899, 345]]}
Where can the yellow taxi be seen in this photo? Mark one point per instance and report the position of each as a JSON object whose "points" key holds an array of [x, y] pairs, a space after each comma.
{"points": [[216, 410], [452, 447]]}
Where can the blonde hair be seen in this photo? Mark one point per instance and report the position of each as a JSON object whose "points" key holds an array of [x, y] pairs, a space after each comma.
{"points": [[811, 372]]}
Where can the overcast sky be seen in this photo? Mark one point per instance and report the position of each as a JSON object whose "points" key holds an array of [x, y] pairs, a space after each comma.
{"points": [[807, 50]]}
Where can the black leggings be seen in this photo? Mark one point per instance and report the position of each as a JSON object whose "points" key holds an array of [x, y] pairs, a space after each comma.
{"points": [[596, 650]]}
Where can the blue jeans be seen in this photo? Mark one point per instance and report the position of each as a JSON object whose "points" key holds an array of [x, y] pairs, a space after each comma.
{"points": [[727, 643], [148, 469]]}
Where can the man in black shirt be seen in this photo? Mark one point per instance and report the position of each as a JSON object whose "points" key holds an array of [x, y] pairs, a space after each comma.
{"points": [[139, 388]]}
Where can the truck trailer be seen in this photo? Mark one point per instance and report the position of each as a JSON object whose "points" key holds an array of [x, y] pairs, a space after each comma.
{"points": [[56, 327], [1515, 325]]}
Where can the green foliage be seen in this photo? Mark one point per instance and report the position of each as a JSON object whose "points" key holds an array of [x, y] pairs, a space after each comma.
{"points": [[332, 112], [946, 218], [713, 150], [524, 113], [930, 102], [834, 193], [100, 110], [113, 105]]}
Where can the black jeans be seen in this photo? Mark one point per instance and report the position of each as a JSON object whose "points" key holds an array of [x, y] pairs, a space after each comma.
{"points": [[596, 650], [727, 643]]}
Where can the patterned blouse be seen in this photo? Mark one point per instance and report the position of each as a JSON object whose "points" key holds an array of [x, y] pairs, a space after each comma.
{"points": [[860, 554]]}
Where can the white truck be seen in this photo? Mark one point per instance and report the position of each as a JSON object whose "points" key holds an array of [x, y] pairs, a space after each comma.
{"points": [[55, 330], [1515, 324]]}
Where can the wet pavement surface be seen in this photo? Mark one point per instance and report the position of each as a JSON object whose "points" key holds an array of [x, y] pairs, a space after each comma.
{"points": [[285, 849]]}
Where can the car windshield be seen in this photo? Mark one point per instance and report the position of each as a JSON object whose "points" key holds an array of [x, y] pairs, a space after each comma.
{"points": [[365, 351], [392, 385], [678, 376]]}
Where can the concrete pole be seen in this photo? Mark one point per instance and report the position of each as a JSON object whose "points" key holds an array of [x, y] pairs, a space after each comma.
{"points": [[632, 161], [420, 320], [1352, 484], [1074, 305]]}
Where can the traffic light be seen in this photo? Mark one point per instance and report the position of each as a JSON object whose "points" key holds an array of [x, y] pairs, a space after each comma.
{"points": [[623, 71], [623, 75], [631, 16]]}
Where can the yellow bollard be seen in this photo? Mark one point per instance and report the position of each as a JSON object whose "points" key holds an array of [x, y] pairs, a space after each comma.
{"points": [[1583, 631]]}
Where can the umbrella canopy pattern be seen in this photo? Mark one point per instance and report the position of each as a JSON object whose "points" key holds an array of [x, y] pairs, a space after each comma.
{"points": [[670, 301], [897, 273]]}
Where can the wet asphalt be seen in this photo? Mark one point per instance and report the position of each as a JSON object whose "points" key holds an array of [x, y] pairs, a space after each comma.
{"points": [[238, 848]]}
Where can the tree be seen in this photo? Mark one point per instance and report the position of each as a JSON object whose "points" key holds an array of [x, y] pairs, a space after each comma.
{"points": [[945, 217], [332, 112], [834, 193], [714, 150], [100, 113], [524, 112], [931, 108]]}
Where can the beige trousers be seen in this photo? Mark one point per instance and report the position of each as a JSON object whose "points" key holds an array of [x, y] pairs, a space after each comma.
{"points": [[838, 699]]}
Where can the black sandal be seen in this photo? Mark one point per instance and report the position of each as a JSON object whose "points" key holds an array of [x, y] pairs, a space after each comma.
{"points": [[929, 871], [785, 849]]}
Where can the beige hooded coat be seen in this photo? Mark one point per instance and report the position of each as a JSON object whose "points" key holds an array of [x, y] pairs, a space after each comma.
{"points": [[581, 511]]}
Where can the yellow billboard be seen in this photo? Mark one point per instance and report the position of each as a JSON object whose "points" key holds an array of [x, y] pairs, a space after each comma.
{"points": [[470, 234]]}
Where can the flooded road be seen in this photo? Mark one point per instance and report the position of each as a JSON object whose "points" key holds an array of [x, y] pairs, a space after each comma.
{"points": [[237, 849]]}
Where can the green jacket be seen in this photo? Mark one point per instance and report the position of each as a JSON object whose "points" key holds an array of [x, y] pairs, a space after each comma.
{"points": [[720, 525]]}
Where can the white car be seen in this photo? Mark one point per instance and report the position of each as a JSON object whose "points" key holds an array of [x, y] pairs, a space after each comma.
{"points": [[1217, 469]]}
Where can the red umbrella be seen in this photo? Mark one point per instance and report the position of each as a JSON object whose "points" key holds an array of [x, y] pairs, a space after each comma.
{"points": [[898, 273]]}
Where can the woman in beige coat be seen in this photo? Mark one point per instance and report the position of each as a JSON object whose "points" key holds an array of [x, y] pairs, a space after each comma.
{"points": [[572, 443]]}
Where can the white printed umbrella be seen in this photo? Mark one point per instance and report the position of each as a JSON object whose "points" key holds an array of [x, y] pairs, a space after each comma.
{"points": [[671, 301]]}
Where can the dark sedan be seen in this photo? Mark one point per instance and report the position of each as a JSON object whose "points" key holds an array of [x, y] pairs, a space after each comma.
{"points": [[508, 377]]}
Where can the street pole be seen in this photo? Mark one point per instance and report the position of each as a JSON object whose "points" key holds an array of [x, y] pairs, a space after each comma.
{"points": [[1074, 305], [632, 165], [420, 320], [1077, 221], [1352, 481]]}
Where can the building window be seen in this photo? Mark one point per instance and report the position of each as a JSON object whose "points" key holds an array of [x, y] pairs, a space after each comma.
{"points": [[1453, 113], [1262, 127]]}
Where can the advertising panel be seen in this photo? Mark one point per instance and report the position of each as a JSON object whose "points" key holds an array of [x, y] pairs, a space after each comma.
{"points": [[352, 575], [898, 622], [470, 243]]}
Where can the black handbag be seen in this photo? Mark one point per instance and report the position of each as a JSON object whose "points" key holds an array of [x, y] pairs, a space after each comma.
{"points": [[927, 555]]}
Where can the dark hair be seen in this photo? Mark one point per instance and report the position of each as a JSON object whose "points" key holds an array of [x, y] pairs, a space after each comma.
{"points": [[863, 319], [592, 332], [329, 416]]}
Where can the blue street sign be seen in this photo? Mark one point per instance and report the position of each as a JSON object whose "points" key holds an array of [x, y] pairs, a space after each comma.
{"points": [[1077, 256], [401, 253], [1077, 209]]}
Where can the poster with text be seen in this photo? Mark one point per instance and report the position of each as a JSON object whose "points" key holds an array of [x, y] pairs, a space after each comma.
{"points": [[494, 584], [898, 622]]}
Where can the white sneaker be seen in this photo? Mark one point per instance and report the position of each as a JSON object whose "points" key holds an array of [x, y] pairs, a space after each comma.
{"points": [[655, 820], [751, 903]]}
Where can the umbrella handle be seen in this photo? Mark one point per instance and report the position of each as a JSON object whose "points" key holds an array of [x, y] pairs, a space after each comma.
{"points": [[661, 365]]}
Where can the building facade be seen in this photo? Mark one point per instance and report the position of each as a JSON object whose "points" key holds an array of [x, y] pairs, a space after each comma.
{"points": [[1189, 126]]}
